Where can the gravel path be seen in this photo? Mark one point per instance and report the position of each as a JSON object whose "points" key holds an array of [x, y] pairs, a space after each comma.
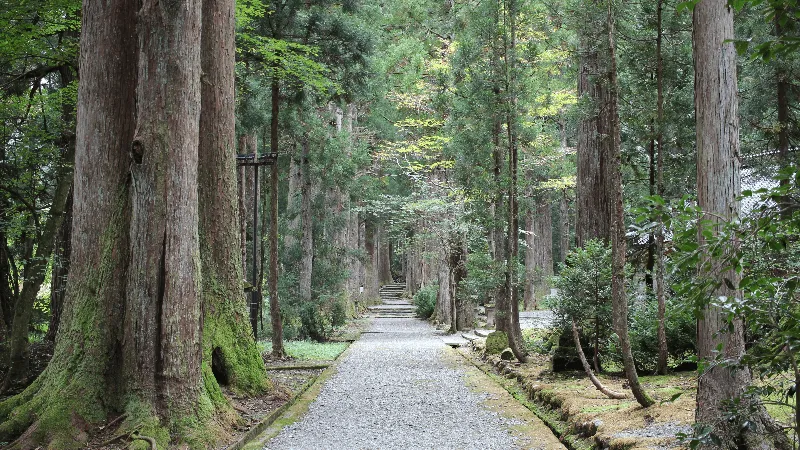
{"points": [[396, 389]]}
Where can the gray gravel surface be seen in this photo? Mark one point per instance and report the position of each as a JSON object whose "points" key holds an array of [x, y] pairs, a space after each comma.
{"points": [[536, 319], [660, 430], [394, 390]]}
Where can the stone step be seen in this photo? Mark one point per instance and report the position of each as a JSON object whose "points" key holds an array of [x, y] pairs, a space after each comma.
{"points": [[394, 310], [469, 337], [483, 333]]}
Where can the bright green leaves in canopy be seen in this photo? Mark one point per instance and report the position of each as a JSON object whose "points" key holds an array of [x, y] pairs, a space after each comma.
{"points": [[291, 62]]}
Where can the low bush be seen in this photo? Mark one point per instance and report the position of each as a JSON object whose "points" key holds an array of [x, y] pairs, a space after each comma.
{"points": [[425, 300]]}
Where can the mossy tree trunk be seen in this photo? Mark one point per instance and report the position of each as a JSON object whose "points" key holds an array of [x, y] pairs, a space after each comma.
{"points": [[131, 339], [84, 372], [229, 349]]}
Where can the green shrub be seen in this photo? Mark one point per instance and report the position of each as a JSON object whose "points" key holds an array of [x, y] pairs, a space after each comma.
{"points": [[540, 340], [425, 300], [338, 311], [584, 293]]}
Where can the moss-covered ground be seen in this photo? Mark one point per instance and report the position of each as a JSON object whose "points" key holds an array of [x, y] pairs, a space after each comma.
{"points": [[309, 350], [584, 417]]}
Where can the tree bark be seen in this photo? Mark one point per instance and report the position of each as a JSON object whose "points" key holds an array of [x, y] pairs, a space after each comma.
{"points": [[76, 382], [384, 258], [163, 288], [718, 185], [228, 345], [595, 144], [306, 233], [661, 367], [563, 208], [539, 254], [464, 311], [619, 300], [274, 304], [576, 337]]}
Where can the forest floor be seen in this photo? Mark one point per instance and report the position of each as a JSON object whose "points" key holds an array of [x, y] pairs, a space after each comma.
{"points": [[582, 416]]}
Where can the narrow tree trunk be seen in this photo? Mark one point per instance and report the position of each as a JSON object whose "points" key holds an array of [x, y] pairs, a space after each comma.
{"points": [[464, 310], [62, 249], [306, 234], [294, 201], [444, 300], [58, 277], [595, 381], [384, 258], [543, 250], [371, 282], [529, 301], [663, 353], [619, 300], [274, 305], [35, 271]]}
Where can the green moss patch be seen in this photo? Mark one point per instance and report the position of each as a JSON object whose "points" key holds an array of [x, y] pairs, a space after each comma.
{"points": [[496, 342], [309, 350]]}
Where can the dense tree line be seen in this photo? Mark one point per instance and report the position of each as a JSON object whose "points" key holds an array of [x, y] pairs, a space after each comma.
{"points": [[469, 149]]}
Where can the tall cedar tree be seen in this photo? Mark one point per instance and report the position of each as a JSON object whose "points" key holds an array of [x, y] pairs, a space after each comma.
{"points": [[130, 341], [718, 186], [599, 177]]}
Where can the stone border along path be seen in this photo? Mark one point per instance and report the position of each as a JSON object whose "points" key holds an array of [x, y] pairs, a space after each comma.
{"points": [[400, 387]]}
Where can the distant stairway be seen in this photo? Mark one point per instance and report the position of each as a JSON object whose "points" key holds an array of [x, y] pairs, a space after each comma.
{"points": [[393, 305]]}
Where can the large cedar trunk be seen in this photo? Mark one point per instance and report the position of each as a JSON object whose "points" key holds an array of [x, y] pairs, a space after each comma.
{"points": [[595, 146], [163, 292], [229, 350], [718, 185], [75, 383], [130, 339]]}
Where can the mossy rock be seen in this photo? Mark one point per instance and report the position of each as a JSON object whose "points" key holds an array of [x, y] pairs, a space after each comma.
{"points": [[496, 342], [507, 355]]}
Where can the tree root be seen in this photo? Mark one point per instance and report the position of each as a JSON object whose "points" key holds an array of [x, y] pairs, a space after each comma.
{"points": [[142, 437]]}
